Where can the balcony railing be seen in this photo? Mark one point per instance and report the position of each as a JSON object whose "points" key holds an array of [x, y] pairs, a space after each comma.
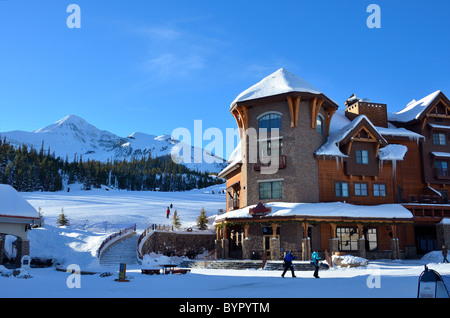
{"points": [[281, 164], [233, 204], [441, 173], [426, 199]]}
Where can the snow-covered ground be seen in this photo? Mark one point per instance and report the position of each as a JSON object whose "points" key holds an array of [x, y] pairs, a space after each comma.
{"points": [[96, 214]]}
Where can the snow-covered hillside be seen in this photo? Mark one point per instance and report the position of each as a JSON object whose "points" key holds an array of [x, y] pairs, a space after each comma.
{"points": [[73, 137]]}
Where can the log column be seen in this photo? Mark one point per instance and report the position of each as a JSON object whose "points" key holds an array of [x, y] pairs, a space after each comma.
{"points": [[333, 242], [306, 243]]}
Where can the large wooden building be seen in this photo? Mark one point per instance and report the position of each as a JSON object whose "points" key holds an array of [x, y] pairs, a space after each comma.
{"points": [[307, 176]]}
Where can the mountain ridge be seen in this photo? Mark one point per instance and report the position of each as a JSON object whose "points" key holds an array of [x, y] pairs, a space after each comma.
{"points": [[73, 137]]}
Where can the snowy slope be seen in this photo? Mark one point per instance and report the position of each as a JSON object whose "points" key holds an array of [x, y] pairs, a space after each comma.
{"points": [[73, 137]]}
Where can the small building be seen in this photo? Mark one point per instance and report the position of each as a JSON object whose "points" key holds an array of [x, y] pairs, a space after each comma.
{"points": [[17, 216]]}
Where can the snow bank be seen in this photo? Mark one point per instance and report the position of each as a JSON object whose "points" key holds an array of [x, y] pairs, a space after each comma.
{"points": [[349, 261]]}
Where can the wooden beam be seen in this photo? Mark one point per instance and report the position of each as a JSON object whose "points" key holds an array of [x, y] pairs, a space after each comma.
{"points": [[329, 114], [305, 229], [296, 109], [291, 111], [333, 230], [274, 230], [360, 230], [313, 109]]}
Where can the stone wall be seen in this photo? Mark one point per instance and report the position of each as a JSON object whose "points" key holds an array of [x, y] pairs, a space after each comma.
{"points": [[443, 234], [178, 243], [300, 177]]}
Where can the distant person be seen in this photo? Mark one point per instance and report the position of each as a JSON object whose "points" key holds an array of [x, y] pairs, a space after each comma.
{"points": [[288, 263], [171, 206], [315, 260], [444, 254], [167, 212]]}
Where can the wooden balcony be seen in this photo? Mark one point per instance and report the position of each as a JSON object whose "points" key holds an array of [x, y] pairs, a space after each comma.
{"points": [[281, 164], [233, 204]]}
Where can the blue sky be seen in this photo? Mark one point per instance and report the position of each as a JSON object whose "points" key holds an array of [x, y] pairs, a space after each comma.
{"points": [[153, 66]]}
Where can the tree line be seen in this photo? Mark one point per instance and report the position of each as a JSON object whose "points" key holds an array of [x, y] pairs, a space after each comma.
{"points": [[27, 169]]}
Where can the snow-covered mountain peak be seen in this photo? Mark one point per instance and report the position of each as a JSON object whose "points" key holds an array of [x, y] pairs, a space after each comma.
{"points": [[73, 137]]}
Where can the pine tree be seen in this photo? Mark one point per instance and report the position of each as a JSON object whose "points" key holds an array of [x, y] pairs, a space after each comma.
{"points": [[176, 220], [41, 216], [202, 221], [62, 219]]}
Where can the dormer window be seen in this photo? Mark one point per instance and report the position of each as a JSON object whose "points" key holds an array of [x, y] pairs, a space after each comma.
{"points": [[269, 121], [362, 157]]}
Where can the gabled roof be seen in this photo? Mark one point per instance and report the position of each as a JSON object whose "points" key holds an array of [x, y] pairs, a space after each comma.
{"points": [[12, 204], [342, 136], [277, 83], [416, 110]]}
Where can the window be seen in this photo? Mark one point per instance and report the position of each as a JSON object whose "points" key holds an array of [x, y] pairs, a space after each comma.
{"points": [[371, 239], [360, 189], [442, 168], [271, 190], [439, 139], [269, 122], [362, 157], [379, 190], [320, 124], [347, 238], [341, 189], [267, 147]]}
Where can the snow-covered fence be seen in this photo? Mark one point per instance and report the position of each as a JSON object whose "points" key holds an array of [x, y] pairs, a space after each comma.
{"points": [[114, 238]]}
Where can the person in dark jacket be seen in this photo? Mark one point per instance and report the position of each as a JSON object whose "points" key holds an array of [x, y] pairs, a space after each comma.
{"points": [[315, 260], [288, 263], [444, 254]]}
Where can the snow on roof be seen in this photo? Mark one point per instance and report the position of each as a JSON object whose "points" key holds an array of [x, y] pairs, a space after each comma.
{"points": [[399, 132], [441, 154], [392, 152], [12, 204], [439, 126], [414, 109], [331, 147], [340, 126], [328, 209], [280, 82]]}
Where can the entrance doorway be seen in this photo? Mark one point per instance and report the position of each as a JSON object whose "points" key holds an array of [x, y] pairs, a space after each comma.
{"points": [[267, 236], [426, 238]]}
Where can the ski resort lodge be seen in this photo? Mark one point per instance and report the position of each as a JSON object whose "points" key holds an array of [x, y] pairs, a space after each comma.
{"points": [[308, 176]]}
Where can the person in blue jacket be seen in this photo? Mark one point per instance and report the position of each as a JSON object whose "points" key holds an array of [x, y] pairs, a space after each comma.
{"points": [[288, 263], [315, 260]]}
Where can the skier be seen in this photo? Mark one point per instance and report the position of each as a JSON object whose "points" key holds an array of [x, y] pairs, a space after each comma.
{"points": [[444, 254], [167, 212], [315, 261], [288, 263]]}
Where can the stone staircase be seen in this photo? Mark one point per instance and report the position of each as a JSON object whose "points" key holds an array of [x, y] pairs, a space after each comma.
{"points": [[124, 251], [245, 264]]}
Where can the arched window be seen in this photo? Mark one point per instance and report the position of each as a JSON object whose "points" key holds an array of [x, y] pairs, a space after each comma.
{"points": [[320, 125], [270, 121]]}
